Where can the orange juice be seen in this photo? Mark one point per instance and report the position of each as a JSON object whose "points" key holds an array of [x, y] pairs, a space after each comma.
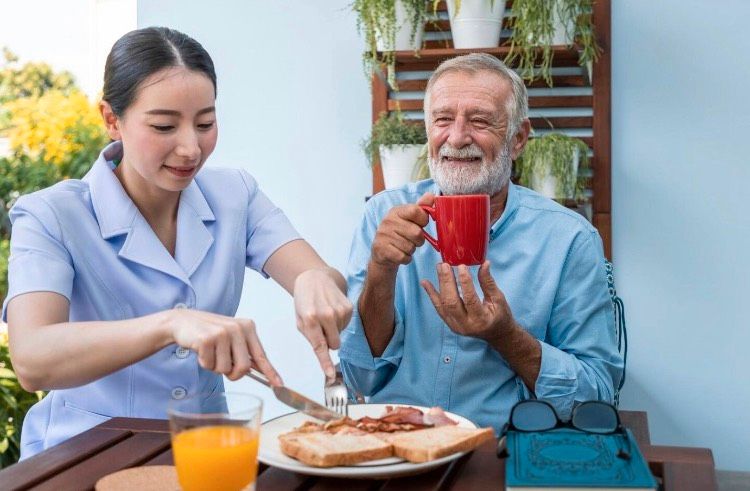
{"points": [[216, 457]]}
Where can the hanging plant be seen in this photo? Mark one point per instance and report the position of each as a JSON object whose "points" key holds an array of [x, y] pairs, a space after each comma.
{"points": [[554, 155], [377, 20], [534, 22]]}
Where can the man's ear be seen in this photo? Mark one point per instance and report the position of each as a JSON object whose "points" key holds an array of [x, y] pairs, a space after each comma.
{"points": [[520, 138], [111, 121]]}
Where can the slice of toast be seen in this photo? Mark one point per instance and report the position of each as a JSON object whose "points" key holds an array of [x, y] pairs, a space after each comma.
{"points": [[325, 449], [434, 443]]}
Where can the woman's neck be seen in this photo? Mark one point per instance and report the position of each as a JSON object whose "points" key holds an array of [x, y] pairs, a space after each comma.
{"points": [[158, 206]]}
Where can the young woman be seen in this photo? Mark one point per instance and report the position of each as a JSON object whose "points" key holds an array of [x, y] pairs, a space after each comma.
{"points": [[123, 285]]}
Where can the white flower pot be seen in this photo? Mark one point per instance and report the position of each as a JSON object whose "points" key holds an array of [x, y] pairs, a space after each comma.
{"points": [[403, 40], [478, 23], [545, 183], [397, 162]]}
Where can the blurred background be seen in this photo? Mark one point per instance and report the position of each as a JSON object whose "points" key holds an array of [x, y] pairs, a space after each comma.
{"points": [[294, 105]]}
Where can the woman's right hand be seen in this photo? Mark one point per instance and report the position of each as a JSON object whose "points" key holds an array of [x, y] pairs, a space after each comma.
{"points": [[225, 345]]}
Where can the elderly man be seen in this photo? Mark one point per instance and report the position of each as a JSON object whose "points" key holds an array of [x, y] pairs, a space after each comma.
{"points": [[424, 335]]}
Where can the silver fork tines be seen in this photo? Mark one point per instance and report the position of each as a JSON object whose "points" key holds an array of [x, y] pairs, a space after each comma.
{"points": [[336, 395]]}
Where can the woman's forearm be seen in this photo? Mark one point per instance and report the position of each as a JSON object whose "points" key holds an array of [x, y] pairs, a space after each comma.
{"points": [[70, 354]]}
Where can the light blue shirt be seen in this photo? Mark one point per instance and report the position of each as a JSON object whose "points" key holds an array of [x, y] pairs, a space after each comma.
{"points": [[548, 262], [86, 240]]}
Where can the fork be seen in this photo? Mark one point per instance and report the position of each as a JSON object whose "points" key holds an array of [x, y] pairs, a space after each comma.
{"points": [[336, 394]]}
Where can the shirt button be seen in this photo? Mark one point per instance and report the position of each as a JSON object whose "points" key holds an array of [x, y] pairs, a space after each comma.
{"points": [[447, 359], [179, 393], [182, 353], [180, 306]]}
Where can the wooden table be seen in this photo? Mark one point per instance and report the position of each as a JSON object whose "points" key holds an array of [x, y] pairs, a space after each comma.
{"points": [[125, 442]]}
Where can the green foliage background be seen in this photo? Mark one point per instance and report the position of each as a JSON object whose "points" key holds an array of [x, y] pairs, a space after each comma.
{"points": [[21, 174]]}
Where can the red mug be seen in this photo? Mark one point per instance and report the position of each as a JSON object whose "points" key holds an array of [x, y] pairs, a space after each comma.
{"points": [[463, 228]]}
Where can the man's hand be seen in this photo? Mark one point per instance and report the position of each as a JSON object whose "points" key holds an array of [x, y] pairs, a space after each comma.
{"points": [[487, 318], [400, 233]]}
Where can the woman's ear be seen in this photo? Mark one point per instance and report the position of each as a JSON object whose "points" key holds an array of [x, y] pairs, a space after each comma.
{"points": [[111, 121]]}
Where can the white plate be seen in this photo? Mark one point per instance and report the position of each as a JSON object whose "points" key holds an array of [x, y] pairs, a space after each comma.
{"points": [[270, 452]]}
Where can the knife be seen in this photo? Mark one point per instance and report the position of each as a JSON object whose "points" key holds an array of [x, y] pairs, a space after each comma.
{"points": [[295, 400]]}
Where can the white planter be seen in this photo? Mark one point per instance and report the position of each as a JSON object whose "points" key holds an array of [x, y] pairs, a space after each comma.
{"points": [[403, 40], [545, 183], [397, 162], [478, 23]]}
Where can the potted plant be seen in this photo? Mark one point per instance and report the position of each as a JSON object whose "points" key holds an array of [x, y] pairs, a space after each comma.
{"points": [[538, 25], [475, 23], [549, 165], [398, 143], [389, 26]]}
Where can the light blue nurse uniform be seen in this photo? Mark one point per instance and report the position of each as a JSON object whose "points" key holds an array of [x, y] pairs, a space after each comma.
{"points": [[86, 240]]}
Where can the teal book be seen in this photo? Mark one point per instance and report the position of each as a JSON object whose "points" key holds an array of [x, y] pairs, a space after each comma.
{"points": [[571, 460]]}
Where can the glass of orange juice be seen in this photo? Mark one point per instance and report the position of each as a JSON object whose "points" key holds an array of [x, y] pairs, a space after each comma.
{"points": [[215, 441]]}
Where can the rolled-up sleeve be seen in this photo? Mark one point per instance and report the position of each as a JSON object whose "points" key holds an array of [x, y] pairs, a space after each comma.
{"points": [[268, 228], [364, 372], [580, 360], [39, 260]]}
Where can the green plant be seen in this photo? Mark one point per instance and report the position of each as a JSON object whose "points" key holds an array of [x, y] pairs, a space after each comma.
{"points": [[422, 167], [29, 80], [376, 19], [14, 403], [392, 129], [533, 26], [554, 154]]}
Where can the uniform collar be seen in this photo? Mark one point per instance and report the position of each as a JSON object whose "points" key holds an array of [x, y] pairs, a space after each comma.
{"points": [[117, 215]]}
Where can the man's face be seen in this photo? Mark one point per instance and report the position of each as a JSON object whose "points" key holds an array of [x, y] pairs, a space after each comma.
{"points": [[468, 124]]}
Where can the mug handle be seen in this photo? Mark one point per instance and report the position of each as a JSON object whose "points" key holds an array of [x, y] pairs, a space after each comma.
{"points": [[430, 211]]}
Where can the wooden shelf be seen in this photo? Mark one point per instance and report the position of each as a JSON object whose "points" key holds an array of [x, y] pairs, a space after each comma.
{"points": [[429, 59]]}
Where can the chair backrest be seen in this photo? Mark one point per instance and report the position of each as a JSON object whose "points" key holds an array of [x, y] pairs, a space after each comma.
{"points": [[620, 328]]}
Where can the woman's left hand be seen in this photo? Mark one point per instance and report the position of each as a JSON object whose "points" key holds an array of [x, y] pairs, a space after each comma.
{"points": [[322, 311]]}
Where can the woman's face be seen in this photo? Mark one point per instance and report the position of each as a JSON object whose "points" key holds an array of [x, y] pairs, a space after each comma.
{"points": [[168, 131]]}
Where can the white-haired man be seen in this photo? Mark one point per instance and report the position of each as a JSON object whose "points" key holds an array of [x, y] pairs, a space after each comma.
{"points": [[542, 325]]}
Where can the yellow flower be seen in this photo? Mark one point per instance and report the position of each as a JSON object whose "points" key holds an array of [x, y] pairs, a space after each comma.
{"points": [[55, 127]]}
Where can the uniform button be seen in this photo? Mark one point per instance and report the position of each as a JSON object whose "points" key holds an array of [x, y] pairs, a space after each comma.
{"points": [[179, 393], [182, 353], [447, 359], [180, 306]]}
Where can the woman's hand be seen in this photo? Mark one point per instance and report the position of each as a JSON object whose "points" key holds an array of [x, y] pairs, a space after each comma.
{"points": [[322, 311], [225, 345]]}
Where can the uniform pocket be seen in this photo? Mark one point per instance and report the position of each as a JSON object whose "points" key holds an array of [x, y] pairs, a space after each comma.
{"points": [[86, 412]]}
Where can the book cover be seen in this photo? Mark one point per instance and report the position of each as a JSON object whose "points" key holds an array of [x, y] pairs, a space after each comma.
{"points": [[569, 459]]}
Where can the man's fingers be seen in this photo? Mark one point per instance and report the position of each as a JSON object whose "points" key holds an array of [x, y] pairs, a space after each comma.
{"points": [[487, 282], [432, 293], [468, 292], [450, 298], [426, 199]]}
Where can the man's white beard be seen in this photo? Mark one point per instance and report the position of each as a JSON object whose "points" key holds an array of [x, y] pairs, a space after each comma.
{"points": [[470, 178]]}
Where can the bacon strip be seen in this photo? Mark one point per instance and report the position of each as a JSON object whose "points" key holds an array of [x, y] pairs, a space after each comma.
{"points": [[396, 418]]}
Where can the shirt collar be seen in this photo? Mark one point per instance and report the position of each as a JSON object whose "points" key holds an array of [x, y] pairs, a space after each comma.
{"points": [[118, 215]]}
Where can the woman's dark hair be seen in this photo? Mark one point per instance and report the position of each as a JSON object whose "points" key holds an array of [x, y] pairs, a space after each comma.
{"points": [[139, 54]]}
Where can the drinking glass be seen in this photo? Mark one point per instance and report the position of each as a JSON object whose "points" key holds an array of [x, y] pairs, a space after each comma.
{"points": [[215, 441]]}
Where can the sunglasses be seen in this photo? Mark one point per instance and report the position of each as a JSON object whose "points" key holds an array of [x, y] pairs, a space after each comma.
{"points": [[591, 417]]}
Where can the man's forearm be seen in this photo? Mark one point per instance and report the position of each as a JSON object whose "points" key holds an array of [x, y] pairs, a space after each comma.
{"points": [[376, 309], [522, 352]]}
